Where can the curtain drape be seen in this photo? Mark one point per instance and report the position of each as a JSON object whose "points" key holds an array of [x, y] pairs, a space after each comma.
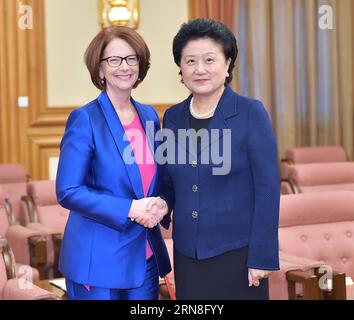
{"points": [[303, 74], [220, 10]]}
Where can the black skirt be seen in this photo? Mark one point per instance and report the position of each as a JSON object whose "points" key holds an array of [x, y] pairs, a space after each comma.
{"points": [[224, 277]]}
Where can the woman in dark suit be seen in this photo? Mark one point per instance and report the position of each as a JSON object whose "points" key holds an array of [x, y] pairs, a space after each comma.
{"points": [[107, 176], [225, 198]]}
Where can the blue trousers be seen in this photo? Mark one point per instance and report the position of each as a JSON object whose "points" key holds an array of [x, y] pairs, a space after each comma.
{"points": [[148, 291]]}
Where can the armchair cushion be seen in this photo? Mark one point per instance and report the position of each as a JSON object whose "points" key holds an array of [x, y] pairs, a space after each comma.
{"points": [[13, 290], [327, 187], [319, 226], [50, 213], [316, 154], [18, 237], [42, 192], [315, 209], [278, 285], [12, 173], [13, 180], [23, 272], [53, 216], [314, 174]]}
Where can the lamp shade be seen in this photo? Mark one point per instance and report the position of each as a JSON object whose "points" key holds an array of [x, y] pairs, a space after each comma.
{"points": [[119, 13]]}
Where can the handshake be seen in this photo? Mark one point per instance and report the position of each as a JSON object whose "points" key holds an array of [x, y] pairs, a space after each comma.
{"points": [[148, 211]]}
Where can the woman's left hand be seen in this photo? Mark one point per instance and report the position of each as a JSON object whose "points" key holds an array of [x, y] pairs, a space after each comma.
{"points": [[254, 275]]}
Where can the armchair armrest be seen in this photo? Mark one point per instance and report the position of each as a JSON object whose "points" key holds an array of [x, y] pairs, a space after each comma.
{"points": [[288, 161], [29, 247], [311, 289], [42, 229], [292, 184], [54, 244], [294, 271], [13, 290], [54, 238], [31, 208], [10, 214], [9, 259], [167, 289], [337, 289], [304, 271], [57, 240], [38, 254]]}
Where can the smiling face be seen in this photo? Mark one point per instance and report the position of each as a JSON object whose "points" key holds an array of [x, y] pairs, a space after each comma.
{"points": [[120, 78], [204, 66]]}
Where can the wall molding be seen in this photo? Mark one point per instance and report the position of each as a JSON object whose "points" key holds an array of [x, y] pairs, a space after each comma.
{"points": [[30, 136]]}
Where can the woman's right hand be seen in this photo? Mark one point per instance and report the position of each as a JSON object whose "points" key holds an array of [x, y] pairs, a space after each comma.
{"points": [[148, 211]]}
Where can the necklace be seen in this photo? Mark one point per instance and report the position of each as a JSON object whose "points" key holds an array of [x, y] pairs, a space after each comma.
{"points": [[201, 116]]}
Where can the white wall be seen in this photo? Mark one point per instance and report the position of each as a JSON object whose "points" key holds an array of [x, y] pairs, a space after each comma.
{"points": [[53, 167], [159, 23], [71, 25]]}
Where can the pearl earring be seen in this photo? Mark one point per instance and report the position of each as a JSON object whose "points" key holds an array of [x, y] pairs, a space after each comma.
{"points": [[102, 81], [227, 74]]}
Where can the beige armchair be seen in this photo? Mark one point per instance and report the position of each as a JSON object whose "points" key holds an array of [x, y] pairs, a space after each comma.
{"points": [[47, 216], [29, 246], [12, 287], [320, 227], [307, 155]]}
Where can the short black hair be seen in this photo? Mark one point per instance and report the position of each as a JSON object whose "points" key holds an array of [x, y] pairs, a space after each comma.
{"points": [[206, 28]]}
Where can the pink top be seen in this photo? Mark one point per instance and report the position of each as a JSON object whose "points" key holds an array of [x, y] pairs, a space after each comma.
{"points": [[143, 157]]}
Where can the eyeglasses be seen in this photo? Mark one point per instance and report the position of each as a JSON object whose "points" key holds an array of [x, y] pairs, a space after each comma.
{"points": [[116, 61]]}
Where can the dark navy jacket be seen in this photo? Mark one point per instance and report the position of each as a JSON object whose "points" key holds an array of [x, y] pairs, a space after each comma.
{"points": [[213, 214]]}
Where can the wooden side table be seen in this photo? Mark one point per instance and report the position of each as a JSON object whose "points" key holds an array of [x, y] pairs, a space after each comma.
{"points": [[46, 285]]}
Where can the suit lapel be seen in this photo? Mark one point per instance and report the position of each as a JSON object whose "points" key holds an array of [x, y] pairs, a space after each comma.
{"points": [[226, 109], [182, 123], [122, 144]]}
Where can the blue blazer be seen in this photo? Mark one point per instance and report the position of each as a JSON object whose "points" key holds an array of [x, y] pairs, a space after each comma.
{"points": [[101, 246], [213, 214]]}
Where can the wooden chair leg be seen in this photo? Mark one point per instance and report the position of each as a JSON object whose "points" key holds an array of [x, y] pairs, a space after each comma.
{"points": [[339, 291], [38, 255], [57, 240], [312, 290], [309, 282]]}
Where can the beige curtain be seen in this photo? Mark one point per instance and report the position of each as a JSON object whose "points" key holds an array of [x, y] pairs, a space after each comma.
{"points": [[303, 74], [220, 10]]}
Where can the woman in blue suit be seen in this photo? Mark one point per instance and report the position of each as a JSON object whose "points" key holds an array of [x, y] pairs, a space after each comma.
{"points": [[112, 246], [225, 198]]}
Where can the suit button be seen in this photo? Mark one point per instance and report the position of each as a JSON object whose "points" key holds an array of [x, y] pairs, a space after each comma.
{"points": [[194, 164], [195, 188], [194, 214]]}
